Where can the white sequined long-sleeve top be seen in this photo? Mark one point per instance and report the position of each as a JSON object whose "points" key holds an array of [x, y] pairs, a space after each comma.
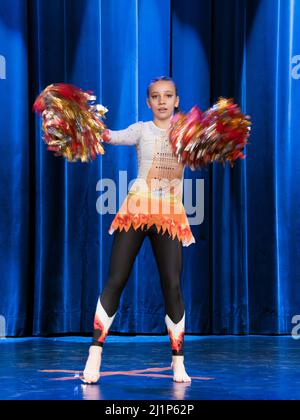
{"points": [[156, 194]]}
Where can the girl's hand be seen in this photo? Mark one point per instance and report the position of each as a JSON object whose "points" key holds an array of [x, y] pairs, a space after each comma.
{"points": [[105, 136]]}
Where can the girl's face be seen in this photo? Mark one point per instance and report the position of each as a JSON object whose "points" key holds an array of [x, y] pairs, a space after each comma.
{"points": [[162, 99]]}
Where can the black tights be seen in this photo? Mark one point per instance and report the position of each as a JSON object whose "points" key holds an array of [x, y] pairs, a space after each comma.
{"points": [[168, 255]]}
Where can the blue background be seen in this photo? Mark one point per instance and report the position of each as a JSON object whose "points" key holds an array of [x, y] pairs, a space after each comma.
{"points": [[242, 275]]}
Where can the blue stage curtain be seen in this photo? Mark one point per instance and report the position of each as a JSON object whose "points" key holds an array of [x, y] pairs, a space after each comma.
{"points": [[241, 276]]}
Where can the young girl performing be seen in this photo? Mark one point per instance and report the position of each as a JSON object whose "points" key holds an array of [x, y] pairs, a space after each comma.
{"points": [[73, 128], [153, 208]]}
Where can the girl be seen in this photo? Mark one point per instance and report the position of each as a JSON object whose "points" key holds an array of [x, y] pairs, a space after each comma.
{"points": [[153, 208]]}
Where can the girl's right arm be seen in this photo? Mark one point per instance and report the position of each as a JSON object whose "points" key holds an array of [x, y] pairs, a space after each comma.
{"points": [[127, 137]]}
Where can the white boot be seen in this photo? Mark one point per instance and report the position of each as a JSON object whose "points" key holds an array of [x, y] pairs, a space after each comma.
{"points": [[176, 334], [102, 323]]}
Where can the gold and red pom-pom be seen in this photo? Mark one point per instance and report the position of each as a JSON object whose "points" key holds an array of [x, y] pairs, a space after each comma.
{"points": [[71, 122], [218, 134]]}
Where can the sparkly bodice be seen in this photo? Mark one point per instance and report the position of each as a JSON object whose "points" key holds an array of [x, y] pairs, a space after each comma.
{"points": [[155, 197], [158, 167]]}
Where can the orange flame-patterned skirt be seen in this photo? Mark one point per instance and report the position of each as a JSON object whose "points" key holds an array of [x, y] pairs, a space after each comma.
{"points": [[145, 209]]}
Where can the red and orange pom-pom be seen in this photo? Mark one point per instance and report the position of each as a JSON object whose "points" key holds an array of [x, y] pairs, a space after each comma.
{"points": [[219, 134], [72, 124]]}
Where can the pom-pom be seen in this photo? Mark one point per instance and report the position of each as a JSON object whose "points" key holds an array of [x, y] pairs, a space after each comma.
{"points": [[71, 122], [219, 134]]}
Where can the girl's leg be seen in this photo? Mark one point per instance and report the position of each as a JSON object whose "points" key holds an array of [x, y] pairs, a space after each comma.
{"points": [[168, 255], [124, 250], [125, 247]]}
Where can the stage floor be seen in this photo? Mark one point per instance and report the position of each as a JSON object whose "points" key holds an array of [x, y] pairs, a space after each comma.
{"points": [[137, 368]]}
